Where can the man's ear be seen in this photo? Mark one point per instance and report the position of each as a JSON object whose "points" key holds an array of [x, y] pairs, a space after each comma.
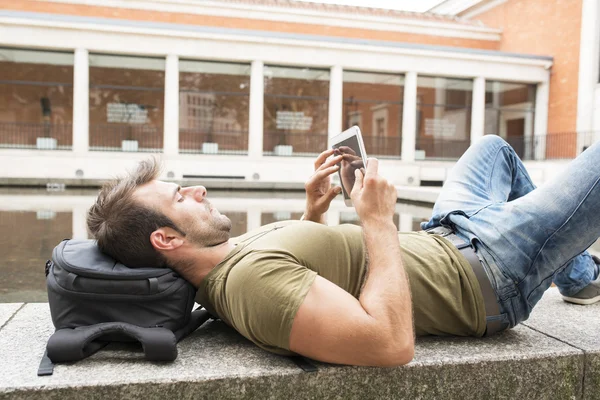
{"points": [[166, 239]]}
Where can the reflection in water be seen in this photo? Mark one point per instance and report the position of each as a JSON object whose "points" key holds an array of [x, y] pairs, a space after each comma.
{"points": [[33, 222]]}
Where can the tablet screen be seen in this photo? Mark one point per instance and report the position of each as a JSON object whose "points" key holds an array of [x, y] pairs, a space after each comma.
{"points": [[352, 159]]}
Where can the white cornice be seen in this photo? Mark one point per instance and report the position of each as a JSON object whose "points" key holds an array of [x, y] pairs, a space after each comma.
{"points": [[447, 53], [302, 16]]}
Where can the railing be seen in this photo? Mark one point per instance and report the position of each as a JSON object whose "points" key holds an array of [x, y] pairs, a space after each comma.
{"points": [[552, 146], [217, 142], [440, 148], [127, 138], [383, 146], [35, 135], [288, 144]]}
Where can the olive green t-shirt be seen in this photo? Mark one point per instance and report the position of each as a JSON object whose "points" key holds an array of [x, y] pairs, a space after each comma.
{"points": [[258, 288]]}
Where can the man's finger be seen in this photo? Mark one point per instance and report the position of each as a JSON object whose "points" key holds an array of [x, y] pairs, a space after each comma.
{"points": [[358, 182], [330, 162], [372, 167], [322, 173], [332, 192], [322, 157]]}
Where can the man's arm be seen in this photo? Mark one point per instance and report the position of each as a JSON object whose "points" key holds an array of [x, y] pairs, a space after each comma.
{"points": [[319, 192], [376, 329]]}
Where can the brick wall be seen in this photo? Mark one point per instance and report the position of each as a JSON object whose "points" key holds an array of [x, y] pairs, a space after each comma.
{"points": [[546, 27]]}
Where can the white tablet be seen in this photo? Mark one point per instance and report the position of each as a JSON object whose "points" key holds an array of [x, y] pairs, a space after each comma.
{"points": [[350, 144]]}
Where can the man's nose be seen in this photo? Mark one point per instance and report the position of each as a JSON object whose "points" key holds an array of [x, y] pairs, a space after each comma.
{"points": [[197, 192]]}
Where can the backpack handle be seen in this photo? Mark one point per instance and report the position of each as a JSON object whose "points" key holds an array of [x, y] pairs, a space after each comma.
{"points": [[68, 344]]}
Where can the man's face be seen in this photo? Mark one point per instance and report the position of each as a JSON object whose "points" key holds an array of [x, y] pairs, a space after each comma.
{"points": [[189, 209]]}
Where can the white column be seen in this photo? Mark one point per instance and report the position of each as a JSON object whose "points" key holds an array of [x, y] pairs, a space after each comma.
{"points": [[257, 100], [596, 126], [540, 124], [588, 66], [409, 117], [406, 222], [253, 218], [171, 115], [336, 100], [79, 222], [81, 102], [478, 109], [333, 217]]}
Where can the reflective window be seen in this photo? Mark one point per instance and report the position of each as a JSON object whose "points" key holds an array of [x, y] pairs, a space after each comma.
{"points": [[276, 216], [36, 105], [443, 117], [126, 103], [33, 236], [509, 113], [295, 111], [213, 107], [374, 102], [239, 222]]}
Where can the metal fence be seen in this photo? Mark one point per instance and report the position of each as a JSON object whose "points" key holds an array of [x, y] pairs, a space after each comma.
{"points": [[35, 135], [552, 146], [126, 137], [288, 144], [383, 146], [215, 142], [440, 148]]}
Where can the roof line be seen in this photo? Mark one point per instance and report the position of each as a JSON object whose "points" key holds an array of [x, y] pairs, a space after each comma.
{"points": [[263, 34]]}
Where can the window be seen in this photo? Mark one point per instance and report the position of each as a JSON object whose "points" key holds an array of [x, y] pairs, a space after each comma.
{"points": [[218, 93], [295, 111], [509, 113], [36, 99], [126, 103], [443, 117], [374, 102]]}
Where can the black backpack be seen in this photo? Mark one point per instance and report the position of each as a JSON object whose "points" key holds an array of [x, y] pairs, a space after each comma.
{"points": [[95, 300]]}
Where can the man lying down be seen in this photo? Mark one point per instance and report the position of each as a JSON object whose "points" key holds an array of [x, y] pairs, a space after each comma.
{"points": [[359, 295]]}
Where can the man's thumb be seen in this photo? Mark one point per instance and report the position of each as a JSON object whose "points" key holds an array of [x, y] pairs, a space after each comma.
{"points": [[359, 179]]}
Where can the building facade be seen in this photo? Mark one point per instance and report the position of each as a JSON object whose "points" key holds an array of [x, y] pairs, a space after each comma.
{"points": [[252, 90]]}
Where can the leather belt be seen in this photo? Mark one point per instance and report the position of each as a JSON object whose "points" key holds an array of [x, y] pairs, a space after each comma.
{"points": [[492, 309]]}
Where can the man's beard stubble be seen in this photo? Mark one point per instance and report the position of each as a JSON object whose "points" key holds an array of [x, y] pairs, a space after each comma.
{"points": [[211, 233]]}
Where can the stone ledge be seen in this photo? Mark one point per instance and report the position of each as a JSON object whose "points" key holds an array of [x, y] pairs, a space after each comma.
{"points": [[216, 362]]}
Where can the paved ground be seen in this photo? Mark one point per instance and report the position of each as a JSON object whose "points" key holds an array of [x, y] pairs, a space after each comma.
{"points": [[555, 354]]}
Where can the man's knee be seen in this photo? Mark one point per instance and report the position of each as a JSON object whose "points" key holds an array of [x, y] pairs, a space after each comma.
{"points": [[491, 140]]}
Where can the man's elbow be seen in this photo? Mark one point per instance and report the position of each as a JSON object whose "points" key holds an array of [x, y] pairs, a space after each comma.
{"points": [[401, 353]]}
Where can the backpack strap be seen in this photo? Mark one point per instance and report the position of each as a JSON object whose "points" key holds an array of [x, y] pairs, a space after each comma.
{"points": [[199, 316], [67, 344]]}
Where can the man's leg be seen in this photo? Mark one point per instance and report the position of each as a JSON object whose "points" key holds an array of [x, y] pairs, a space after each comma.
{"points": [[492, 172], [525, 241]]}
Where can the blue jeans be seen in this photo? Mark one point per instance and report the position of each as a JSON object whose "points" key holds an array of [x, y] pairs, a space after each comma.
{"points": [[524, 236]]}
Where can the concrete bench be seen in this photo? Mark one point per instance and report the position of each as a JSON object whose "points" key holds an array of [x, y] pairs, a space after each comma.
{"points": [[554, 355]]}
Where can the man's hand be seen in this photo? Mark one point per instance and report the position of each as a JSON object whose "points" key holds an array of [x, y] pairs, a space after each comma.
{"points": [[373, 197], [319, 192]]}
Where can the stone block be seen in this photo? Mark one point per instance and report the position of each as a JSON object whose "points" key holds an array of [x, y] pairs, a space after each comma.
{"points": [[576, 325], [216, 362]]}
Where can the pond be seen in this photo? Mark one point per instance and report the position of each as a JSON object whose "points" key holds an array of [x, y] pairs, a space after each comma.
{"points": [[34, 221]]}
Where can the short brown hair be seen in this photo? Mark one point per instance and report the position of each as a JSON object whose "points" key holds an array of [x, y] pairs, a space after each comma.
{"points": [[122, 226]]}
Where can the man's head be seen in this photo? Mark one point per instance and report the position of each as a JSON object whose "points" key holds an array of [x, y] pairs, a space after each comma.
{"points": [[143, 222]]}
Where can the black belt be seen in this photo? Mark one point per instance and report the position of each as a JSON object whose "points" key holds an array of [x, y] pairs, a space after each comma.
{"points": [[489, 294]]}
